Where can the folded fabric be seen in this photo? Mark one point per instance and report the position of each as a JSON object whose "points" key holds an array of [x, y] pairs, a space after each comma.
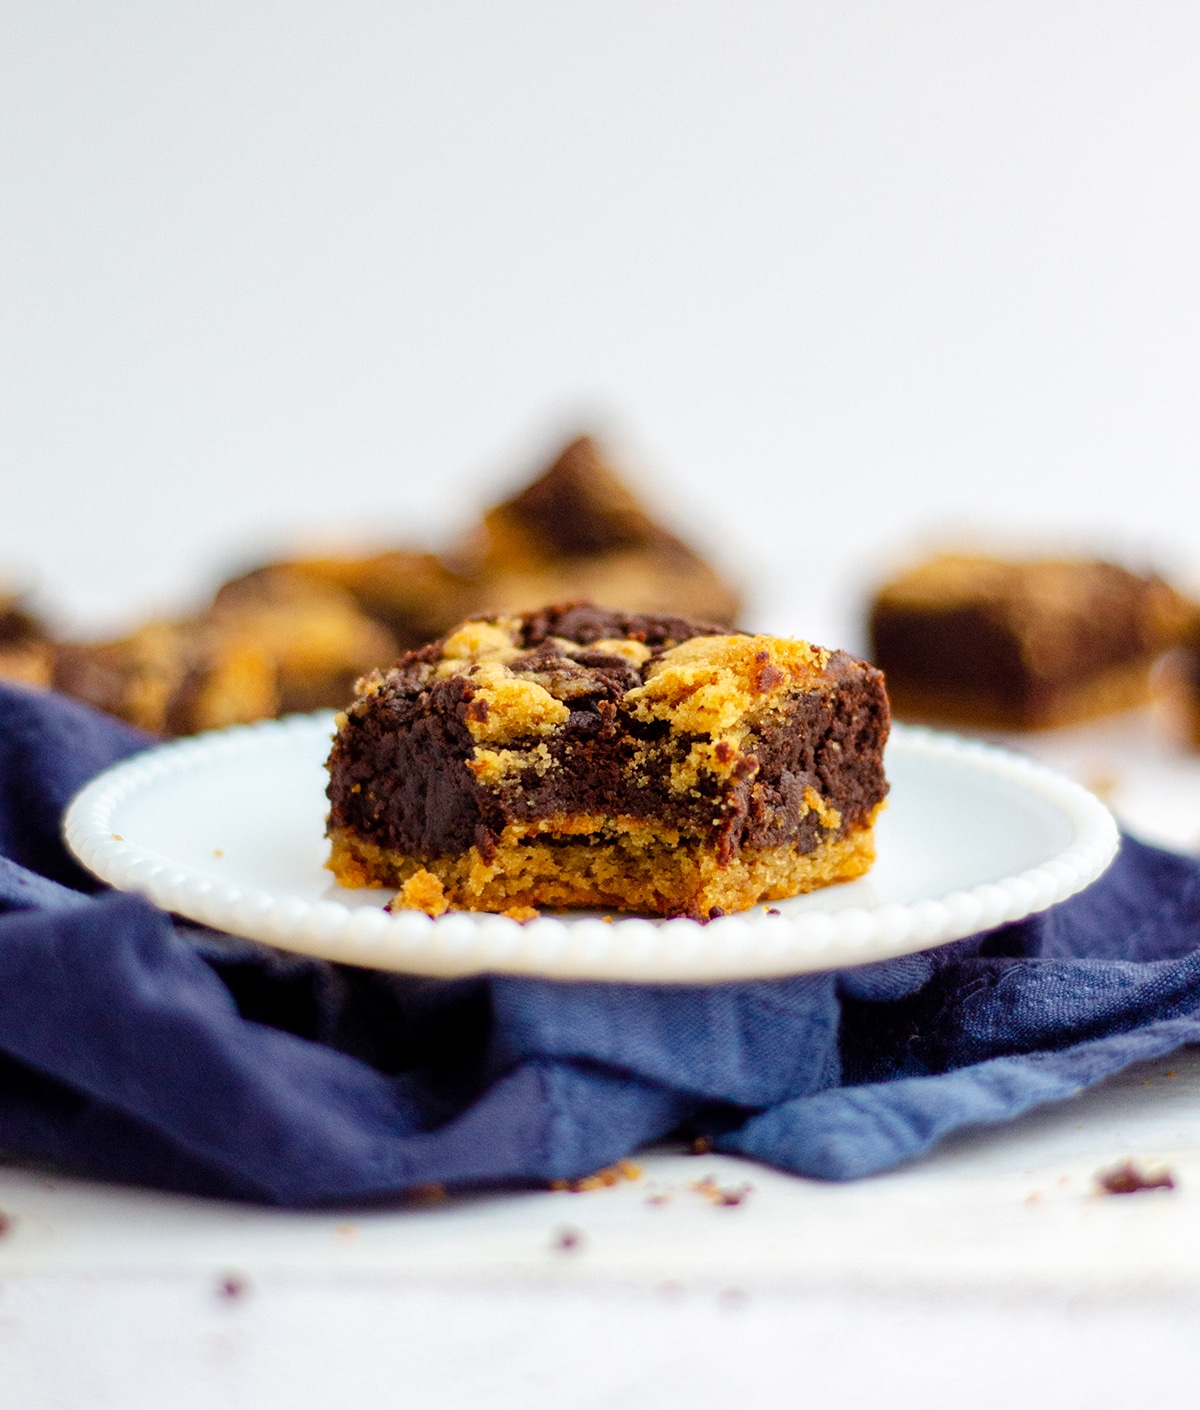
{"points": [[138, 1049]]}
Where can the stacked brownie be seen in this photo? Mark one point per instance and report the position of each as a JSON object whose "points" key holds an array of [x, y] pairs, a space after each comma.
{"points": [[296, 634]]}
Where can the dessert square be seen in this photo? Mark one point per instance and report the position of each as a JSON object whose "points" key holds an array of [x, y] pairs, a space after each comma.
{"points": [[577, 531], [170, 678], [582, 756], [1179, 686], [969, 639], [409, 593], [26, 651], [275, 646]]}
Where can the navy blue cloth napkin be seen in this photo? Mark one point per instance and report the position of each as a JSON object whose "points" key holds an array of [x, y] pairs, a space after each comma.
{"points": [[133, 1048]]}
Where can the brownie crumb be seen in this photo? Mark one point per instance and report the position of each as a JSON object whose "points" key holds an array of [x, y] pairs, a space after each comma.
{"points": [[567, 1239], [1128, 1179], [232, 1286], [432, 1193], [724, 1195], [601, 1179], [700, 1146], [421, 892], [6, 1224]]}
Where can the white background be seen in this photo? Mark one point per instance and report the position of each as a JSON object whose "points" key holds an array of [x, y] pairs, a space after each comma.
{"points": [[831, 276]]}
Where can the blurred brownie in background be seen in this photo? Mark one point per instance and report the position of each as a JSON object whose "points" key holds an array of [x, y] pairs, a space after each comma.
{"points": [[297, 634], [315, 636], [574, 532], [1179, 686], [280, 647], [26, 650], [411, 594], [969, 639], [578, 532], [1191, 679], [169, 678]]}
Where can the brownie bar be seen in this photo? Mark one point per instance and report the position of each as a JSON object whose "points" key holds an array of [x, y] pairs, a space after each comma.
{"points": [[581, 756], [1191, 688], [1020, 645], [578, 531], [169, 678], [411, 594], [1179, 686], [575, 531], [26, 651], [296, 634], [275, 646]]}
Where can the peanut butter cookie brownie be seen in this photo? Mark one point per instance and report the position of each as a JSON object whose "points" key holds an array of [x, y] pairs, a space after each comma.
{"points": [[580, 756]]}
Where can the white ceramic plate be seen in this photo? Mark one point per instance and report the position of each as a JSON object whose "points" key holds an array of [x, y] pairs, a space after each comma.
{"points": [[227, 828]]}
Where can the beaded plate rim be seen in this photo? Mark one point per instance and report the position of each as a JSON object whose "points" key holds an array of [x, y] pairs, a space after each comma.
{"points": [[747, 945]]}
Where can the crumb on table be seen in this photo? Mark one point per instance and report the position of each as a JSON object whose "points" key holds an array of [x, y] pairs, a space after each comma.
{"points": [[567, 1239], [601, 1179], [432, 1193], [1129, 1178], [724, 1195]]}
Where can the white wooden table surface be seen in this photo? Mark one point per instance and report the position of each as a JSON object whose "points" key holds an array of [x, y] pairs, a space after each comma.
{"points": [[992, 1271]]}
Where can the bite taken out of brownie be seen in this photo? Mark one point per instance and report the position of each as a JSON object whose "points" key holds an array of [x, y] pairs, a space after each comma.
{"points": [[578, 756]]}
